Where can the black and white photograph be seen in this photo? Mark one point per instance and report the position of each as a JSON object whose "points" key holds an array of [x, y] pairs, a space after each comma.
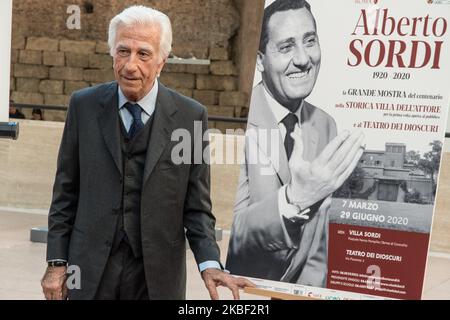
{"points": [[343, 138], [399, 180], [281, 219]]}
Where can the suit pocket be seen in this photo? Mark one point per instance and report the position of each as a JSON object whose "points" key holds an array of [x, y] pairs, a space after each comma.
{"points": [[167, 165], [171, 179]]}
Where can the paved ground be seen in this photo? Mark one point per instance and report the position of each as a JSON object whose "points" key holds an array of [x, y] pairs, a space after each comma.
{"points": [[22, 264]]}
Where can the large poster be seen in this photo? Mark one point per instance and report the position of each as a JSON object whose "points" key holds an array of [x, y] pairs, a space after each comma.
{"points": [[5, 56], [343, 148]]}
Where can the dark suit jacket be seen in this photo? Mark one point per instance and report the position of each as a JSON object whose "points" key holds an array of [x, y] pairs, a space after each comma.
{"points": [[88, 189]]}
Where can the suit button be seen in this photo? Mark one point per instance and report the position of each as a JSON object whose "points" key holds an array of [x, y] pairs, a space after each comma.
{"points": [[108, 244]]}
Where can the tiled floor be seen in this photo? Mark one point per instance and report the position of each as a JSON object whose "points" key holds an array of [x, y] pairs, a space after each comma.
{"points": [[22, 264]]}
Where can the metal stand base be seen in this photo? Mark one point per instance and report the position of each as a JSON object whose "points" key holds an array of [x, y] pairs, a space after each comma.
{"points": [[39, 235], [9, 130]]}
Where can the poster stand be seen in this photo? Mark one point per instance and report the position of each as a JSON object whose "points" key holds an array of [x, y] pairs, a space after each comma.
{"points": [[9, 130], [276, 295]]}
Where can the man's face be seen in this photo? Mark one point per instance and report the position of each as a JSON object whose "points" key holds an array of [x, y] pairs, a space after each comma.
{"points": [[291, 63], [137, 61]]}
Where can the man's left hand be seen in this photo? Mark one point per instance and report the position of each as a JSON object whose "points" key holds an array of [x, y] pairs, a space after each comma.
{"points": [[214, 278]]}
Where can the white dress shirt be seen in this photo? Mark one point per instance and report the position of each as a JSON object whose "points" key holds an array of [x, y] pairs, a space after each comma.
{"points": [[147, 103]]}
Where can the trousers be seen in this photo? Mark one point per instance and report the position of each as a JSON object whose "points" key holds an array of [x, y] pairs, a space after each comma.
{"points": [[123, 277]]}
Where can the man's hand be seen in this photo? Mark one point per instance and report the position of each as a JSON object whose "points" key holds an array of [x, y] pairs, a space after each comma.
{"points": [[215, 277], [54, 283], [316, 180]]}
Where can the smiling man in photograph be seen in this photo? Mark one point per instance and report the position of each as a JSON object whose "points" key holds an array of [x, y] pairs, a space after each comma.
{"points": [[280, 226], [121, 208]]}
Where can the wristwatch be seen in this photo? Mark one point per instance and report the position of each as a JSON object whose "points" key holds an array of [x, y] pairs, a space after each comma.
{"points": [[298, 212], [57, 263]]}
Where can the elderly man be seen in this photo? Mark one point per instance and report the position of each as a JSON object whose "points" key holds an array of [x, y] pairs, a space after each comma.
{"points": [[120, 205], [280, 225]]}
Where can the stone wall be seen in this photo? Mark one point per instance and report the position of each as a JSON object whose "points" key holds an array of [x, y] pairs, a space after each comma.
{"points": [[198, 24], [49, 61], [47, 71], [246, 43]]}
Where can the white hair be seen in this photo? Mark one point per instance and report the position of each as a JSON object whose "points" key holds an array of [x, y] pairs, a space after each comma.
{"points": [[140, 15]]}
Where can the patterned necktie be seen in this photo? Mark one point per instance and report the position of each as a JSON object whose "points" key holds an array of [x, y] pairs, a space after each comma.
{"points": [[289, 122], [137, 125]]}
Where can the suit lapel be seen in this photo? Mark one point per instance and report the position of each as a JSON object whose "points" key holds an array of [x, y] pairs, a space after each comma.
{"points": [[163, 125], [109, 124], [261, 117]]}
